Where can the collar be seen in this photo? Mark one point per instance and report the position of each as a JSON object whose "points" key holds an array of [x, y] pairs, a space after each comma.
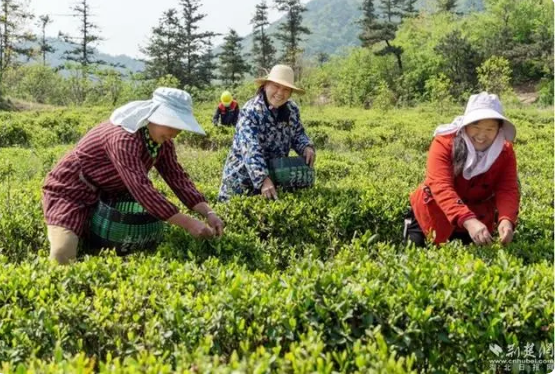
{"points": [[280, 114], [152, 147]]}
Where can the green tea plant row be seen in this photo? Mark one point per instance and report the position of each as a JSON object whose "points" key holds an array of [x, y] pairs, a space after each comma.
{"points": [[438, 309], [315, 281]]}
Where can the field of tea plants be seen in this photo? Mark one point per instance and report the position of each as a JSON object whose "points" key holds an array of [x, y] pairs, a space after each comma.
{"points": [[317, 281]]}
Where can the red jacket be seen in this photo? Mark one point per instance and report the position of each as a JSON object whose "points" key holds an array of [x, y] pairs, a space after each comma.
{"points": [[442, 202]]}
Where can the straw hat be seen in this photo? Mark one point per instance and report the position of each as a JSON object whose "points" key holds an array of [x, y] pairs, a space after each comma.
{"points": [[281, 74]]}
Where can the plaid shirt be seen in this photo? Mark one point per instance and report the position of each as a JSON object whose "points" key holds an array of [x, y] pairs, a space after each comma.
{"points": [[111, 160]]}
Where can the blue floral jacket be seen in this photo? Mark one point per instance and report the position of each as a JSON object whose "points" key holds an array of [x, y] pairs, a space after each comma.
{"points": [[260, 135]]}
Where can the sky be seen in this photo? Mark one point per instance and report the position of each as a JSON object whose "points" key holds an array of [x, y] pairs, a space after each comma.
{"points": [[127, 24]]}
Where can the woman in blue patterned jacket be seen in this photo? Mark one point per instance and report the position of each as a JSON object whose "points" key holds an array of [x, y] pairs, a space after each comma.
{"points": [[269, 127]]}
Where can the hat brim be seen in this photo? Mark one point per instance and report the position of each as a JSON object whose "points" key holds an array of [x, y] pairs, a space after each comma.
{"points": [[480, 114], [165, 116], [261, 81]]}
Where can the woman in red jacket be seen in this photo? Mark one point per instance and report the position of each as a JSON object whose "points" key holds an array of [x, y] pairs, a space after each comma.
{"points": [[471, 182]]}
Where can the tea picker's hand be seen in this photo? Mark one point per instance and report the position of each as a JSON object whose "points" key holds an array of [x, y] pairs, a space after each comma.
{"points": [[215, 222], [309, 156], [478, 231], [506, 232], [193, 226], [268, 189], [199, 229]]}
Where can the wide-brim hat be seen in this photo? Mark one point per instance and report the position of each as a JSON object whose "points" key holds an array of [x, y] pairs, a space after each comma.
{"points": [[487, 106], [175, 110], [281, 74]]}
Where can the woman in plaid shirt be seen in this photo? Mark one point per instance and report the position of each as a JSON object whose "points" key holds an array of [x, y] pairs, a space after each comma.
{"points": [[115, 157]]}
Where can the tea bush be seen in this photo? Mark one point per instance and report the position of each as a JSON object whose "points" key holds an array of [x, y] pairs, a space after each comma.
{"points": [[317, 281]]}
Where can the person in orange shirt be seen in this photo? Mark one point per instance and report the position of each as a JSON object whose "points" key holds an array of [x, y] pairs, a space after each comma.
{"points": [[471, 182]]}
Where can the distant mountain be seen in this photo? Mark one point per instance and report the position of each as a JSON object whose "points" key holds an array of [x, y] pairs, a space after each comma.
{"points": [[333, 24], [56, 59]]}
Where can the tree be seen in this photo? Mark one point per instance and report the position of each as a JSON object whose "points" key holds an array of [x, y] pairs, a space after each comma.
{"points": [[368, 22], [522, 32], [83, 52], [109, 87], [377, 29], [460, 61], [263, 50], [193, 42], [34, 82], [44, 47], [438, 90], [232, 64], [13, 18], [322, 58], [291, 31], [207, 66], [447, 5], [409, 9], [164, 48], [494, 75], [178, 48]]}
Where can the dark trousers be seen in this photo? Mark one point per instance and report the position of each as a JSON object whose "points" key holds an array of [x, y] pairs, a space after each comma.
{"points": [[412, 232]]}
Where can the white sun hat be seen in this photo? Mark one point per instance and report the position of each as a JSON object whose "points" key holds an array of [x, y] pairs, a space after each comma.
{"points": [[487, 106], [169, 107]]}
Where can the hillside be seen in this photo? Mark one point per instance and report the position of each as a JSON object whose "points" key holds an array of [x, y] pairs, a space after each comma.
{"points": [[60, 46], [333, 24]]}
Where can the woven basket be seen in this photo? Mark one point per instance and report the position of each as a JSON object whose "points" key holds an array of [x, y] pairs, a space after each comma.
{"points": [[122, 223], [291, 172]]}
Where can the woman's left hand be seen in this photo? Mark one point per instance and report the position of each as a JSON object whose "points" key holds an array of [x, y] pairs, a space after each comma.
{"points": [[506, 232], [216, 223], [309, 156]]}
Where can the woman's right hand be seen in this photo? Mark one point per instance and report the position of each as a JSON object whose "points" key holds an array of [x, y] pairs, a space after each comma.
{"points": [[268, 189], [309, 156], [196, 228], [199, 229], [478, 231]]}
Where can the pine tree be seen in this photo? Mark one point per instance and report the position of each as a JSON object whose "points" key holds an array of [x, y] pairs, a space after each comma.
{"points": [[83, 52], [207, 67], [447, 5], [13, 19], [377, 29], [164, 48], [177, 47], [193, 43], [368, 23], [44, 47], [232, 64], [408, 8], [291, 31], [263, 50]]}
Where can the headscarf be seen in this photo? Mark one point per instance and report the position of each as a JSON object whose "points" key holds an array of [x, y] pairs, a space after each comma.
{"points": [[476, 162]]}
